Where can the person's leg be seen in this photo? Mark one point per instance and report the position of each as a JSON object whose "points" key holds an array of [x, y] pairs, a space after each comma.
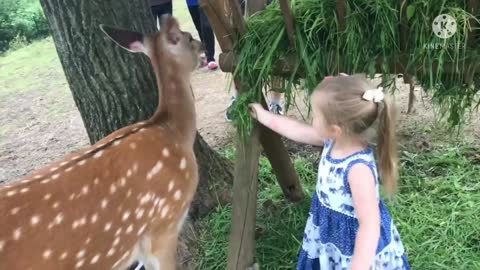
{"points": [[160, 10], [275, 105], [208, 40], [195, 14]]}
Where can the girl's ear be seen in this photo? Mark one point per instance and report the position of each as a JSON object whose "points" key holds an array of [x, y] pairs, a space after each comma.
{"points": [[336, 130]]}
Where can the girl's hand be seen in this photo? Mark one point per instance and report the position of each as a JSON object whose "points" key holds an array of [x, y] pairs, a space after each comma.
{"points": [[255, 109]]}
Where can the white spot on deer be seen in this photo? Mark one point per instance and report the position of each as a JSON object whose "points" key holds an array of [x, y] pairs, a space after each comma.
{"points": [[38, 176], [123, 181], [94, 218], [75, 224], [83, 221], [110, 252], [104, 203], [171, 184], [63, 256], [98, 154], [96, 181], [183, 164], [53, 169], [75, 158], [129, 173], [129, 229], [116, 241], [107, 227], [55, 176], [44, 181], [17, 233], [69, 169], [79, 263], [125, 215], [139, 213], [11, 193], [177, 195], [24, 190], [56, 205], [47, 253], [150, 213], [129, 193], [135, 167], [85, 190], [118, 232], [95, 259], [166, 152], [2, 245], [132, 145], [15, 210], [80, 254], [82, 162], [35, 220], [142, 229], [88, 241], [142, 130], [71, 197], [156, 169], [47, 196], [113, 188], [117, 142], [164, 211], [58, 218], [161, 202]]}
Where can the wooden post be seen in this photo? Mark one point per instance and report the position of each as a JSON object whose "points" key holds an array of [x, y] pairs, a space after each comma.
{"points": [[272, 143], [288, 18], [241, 250]]}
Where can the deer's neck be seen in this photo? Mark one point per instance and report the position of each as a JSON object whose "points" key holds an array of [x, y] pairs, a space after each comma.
{"points": [[176, 108]]}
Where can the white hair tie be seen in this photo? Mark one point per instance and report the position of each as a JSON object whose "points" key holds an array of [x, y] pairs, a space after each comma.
{"points": [[375, 95]]}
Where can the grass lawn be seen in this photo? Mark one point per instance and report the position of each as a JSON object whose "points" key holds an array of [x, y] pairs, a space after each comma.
{"points": [[436, 212]]}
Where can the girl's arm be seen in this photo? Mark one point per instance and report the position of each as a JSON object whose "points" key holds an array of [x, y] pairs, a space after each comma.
{"points": [[362, 185], [287, 127]]}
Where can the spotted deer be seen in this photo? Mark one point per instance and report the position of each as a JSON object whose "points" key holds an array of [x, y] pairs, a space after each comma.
{"points": [[124, 198]]}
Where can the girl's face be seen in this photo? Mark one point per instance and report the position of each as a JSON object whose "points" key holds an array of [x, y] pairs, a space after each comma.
{"points": [[319, 122]]}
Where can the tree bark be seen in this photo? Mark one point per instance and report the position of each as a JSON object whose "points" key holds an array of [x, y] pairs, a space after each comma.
{"points": [[113, 88]]}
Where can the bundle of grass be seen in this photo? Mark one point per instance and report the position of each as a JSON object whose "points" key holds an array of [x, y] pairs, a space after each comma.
{"points": [[369, 43]]}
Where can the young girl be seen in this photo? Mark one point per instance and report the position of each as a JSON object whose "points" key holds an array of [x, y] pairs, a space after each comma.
{"points": [[349, 226]]}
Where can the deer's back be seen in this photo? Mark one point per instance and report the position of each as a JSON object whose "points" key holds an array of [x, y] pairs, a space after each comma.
{"points": [[90, 208]]}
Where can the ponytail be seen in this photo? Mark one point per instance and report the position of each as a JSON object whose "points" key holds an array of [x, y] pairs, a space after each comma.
{"points": [[387, 147]]}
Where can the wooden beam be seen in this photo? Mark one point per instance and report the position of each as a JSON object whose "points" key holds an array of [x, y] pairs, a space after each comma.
{"points": [[254, 5], [288, 18], [223, 32], [341, 6], [474, 35], [237, 16]]}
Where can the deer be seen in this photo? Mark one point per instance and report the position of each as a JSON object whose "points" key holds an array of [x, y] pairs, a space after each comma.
{"points": [[125, 198]]}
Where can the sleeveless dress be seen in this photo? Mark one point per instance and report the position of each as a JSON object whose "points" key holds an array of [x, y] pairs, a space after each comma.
{"points": [[332, 225]]}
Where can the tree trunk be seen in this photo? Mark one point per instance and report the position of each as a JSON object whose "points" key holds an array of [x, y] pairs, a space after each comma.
{"points": [[113, 88]]}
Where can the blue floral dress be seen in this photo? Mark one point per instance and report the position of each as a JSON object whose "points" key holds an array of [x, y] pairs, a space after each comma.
{"points": [[332, 225]]}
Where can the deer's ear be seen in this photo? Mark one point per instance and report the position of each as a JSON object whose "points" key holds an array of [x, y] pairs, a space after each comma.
{"points": [[169, 25], [129, 40]]}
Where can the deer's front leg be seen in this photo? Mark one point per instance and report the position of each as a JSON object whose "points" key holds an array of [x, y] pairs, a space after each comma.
{"points": [[164, 248]]}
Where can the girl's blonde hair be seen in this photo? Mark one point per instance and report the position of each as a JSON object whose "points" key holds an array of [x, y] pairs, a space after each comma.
{"points": [[345, 107]]}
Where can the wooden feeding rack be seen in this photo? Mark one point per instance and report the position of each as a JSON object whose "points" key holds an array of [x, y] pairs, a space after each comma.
{"points": [[228, 23]]}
